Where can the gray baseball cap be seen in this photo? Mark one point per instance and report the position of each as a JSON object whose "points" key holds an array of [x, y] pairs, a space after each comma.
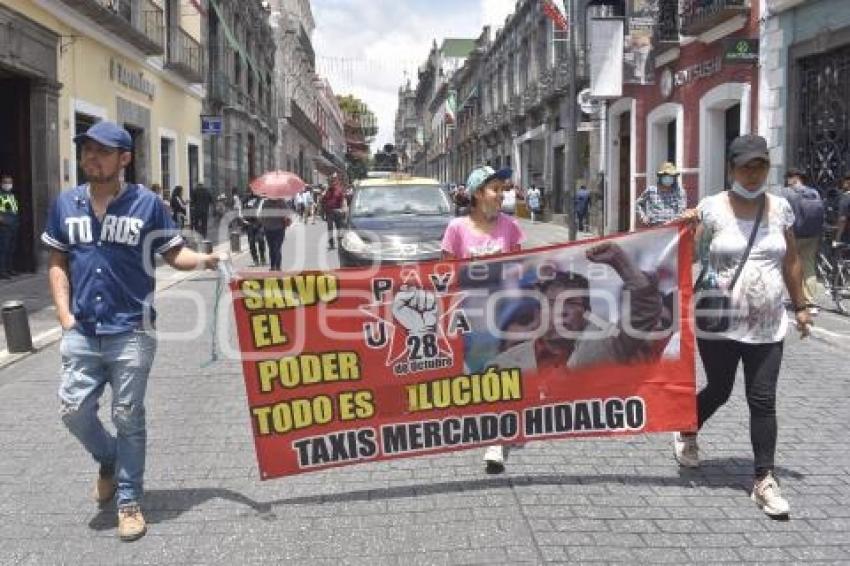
{"points": [[744, 149]]}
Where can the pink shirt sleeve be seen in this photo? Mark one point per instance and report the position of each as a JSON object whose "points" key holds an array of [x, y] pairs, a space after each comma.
{"points": [[450, 239]]}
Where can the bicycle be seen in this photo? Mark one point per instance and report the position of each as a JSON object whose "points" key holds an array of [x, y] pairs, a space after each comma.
{"points": [[833, 270]]}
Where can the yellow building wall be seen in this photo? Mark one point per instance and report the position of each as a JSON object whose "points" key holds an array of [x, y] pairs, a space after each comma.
{"points": [[190, 19], [84, 71]]}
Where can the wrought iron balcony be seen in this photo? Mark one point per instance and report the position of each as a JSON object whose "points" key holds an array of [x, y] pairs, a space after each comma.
{"points": [[139, 23], [698, 16], [546, 83], [531, 97], [185, 57], [562, 77]]}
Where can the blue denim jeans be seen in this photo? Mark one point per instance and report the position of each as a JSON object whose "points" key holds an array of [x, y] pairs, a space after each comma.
{"points": [[124, 362]]}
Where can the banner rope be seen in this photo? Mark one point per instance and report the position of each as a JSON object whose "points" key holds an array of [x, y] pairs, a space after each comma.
{"points": [[225, 273]]}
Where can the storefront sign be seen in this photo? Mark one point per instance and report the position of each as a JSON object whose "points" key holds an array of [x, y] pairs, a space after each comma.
{"points": [[360, 365], [698, 71], [212, 125], [741, 50], [134, 80]]}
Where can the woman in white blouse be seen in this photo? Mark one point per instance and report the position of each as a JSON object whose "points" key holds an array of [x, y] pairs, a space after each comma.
{"points": [[759, 321]]}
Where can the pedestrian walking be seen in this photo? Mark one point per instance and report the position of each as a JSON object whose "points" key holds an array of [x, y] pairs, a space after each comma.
{"points": [[274, 220], [334, 206], [254, 229], [299, 205], [102, 238], [809, 216], [664, 201], [236, 206], [750, 247], [178, 207], [309, 206], [533, 201], [9, 226], [201, 200], [582, 207], [485, 231]]}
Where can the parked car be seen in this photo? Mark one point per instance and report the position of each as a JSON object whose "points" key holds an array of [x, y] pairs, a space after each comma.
{"points": [[396, 219]]}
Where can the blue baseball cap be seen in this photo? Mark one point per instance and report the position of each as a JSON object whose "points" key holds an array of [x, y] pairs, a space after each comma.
{"points": [[480, 176], [108, 134]]}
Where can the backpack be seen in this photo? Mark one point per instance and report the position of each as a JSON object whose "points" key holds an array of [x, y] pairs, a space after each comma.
{"points": [[809, 212]]}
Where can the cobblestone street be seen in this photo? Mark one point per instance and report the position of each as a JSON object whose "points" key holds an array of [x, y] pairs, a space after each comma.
{"points": [[613, 500]]}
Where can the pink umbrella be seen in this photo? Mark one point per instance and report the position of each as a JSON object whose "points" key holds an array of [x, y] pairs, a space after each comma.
{"points": [[277, 185]]}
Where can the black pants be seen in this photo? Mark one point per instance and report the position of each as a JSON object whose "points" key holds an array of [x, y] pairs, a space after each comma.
{"points": [[274, 239], [257, 244], [334, 218], [582, 221], [201, 221], [761, 362]]}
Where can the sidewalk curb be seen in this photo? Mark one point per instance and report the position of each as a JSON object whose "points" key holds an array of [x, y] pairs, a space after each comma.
{"points": [[50, 337]]}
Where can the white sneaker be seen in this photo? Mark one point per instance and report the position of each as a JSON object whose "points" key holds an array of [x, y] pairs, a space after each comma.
{"points": [[687, 451], [813, 310], [494, 459], [768, 497]]}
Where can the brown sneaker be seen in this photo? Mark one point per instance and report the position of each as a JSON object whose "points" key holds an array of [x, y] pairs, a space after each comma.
{"points": [[131, 523], [104, 489]]}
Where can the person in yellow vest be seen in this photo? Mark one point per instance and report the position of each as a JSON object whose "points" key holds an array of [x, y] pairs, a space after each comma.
{"points": [[9, 223]]}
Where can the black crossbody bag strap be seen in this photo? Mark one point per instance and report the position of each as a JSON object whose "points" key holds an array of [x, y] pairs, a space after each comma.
{"points": [[749, 244]]}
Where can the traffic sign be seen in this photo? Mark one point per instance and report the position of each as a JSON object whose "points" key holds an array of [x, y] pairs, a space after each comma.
{"points": [[212, 125]]}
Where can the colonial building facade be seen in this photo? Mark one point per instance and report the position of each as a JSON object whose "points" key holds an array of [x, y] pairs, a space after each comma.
{"points": [[331, 125], [700, 95], [65, 65], [300, 138], [242, 94], [506, 105], [406, 127], [804, 73]]}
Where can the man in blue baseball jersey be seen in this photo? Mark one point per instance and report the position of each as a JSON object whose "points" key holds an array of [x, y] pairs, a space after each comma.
{"points": [[102, 238]]}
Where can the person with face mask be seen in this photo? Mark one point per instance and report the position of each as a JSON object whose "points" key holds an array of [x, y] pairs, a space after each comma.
{"points": [[663, 202], [9, 223], [732, 222], [486, 230]]}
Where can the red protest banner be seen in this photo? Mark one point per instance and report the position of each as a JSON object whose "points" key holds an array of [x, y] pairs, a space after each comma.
{"points": [[357, 365]]}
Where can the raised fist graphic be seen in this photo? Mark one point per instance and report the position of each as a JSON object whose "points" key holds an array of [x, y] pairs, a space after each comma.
{"points": [[416, 310]]}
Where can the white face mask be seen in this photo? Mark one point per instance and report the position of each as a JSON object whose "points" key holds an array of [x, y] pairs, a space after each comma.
{"points": [[744, 192], [667, 180], [6, 186]]}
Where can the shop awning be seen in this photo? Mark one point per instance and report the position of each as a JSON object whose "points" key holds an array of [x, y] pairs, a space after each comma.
{"points": [[324, 165]]}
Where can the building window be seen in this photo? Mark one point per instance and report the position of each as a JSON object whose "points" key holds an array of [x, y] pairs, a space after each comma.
{"points": [[240, 159], [166, 150], [193, 166], [724, 113], [671, 141], [664, 137]]}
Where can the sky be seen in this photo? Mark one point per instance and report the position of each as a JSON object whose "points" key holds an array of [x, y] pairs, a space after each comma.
{"points": [[364, 47]]}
